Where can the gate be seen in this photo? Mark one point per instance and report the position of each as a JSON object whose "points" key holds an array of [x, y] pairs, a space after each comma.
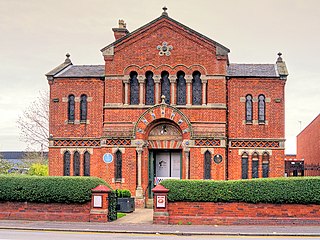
{"points": [[112, 208]]}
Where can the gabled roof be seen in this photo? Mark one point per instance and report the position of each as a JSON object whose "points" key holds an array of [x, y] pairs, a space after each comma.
{"points": [[165, 16], [82, 71], [252, 70]]}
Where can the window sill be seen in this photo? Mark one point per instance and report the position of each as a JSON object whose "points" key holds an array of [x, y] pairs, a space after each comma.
{"points": [[118, 180], [83, 121], [262, 123], [249, 123], [70, 121]]}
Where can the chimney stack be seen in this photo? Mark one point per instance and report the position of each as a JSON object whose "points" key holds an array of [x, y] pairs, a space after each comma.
{"points": [[121, 31]]}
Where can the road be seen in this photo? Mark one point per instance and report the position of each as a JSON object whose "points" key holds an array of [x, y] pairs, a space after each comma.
{"points": [[55, 235]]}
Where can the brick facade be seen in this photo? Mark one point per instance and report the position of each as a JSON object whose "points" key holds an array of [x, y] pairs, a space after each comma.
{"points": [[210, 122], [308, 142]]}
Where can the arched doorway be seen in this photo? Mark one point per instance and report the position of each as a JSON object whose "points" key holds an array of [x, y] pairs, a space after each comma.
{"points": [[165, 152]]}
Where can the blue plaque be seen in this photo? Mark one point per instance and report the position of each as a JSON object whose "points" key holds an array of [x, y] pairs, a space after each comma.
{"points": [[107, 157]]}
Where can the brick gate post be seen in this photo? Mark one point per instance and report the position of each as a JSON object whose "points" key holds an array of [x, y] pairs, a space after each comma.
{"points": [[99, 204], [160, 205]]}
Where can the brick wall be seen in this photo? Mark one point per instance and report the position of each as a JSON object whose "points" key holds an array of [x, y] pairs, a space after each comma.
{"points": [[308, 142], [242, 213], [45, 212]]}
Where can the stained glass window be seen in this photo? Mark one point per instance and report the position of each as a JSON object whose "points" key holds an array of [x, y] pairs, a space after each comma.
{"points": [[165, 86], [207, 165], [196, 89], [71, 107], [249, 113], [118, 165], [265, 165], [255, 165], [244, 164], [76, 164], [83, 108], [134, 88], [261, 108], [181, 89], [86, 164], [149, 88], [66, 164]]}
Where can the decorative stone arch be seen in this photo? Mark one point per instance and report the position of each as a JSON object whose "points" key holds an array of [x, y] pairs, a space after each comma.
{"points": [[162, 112]]}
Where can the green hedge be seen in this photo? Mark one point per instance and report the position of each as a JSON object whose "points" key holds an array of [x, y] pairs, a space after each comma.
{"points": [[47, 189], [123, 193], [302, 190]]}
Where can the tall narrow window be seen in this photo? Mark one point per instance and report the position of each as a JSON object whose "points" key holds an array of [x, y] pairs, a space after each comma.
{"points": [[207, 165], [66, 164], [265, 165], [244, 164], [249, 113], [181, 88], [118, 165], [255, 165], [134, 88], [261, 108], [149, 88], [196, 89], [71, 107], [86, 164], [165, 86], [83, 107], [76, 164]]}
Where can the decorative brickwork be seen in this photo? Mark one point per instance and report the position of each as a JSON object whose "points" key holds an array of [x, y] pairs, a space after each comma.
{"points": [[207, 142], [254, 144], [76, 143], [118, 142]]}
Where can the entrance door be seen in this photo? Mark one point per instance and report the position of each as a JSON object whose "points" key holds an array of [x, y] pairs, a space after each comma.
{"points": [[163, 165]]}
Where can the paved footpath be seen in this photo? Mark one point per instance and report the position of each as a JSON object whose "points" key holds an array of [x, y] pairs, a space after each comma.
{"points": [[145, 228]]}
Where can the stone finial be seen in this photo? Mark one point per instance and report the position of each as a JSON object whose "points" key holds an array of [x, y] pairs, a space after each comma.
{"points": [[165, 11], [67, 59], [122, 24], [163, 99], [279, 57]]}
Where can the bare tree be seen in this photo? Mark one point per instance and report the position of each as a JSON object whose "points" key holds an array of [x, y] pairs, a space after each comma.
{"points": [[34, 123]]}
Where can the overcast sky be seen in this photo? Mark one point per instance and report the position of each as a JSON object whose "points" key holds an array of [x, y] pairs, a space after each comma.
{"points": [[35, 35]]}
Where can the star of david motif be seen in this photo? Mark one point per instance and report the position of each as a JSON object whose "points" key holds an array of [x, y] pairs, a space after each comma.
{"points": [[164, 49]]}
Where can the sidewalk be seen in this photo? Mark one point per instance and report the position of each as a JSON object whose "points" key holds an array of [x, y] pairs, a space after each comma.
{"points": [[147, 228]]}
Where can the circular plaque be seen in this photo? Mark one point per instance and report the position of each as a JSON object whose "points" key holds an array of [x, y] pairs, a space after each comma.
{"points": [[107, 157], [217, 158]]}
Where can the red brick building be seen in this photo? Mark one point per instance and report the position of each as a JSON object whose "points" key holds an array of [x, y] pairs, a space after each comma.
{"points": [[166, 103], [308, 147]]}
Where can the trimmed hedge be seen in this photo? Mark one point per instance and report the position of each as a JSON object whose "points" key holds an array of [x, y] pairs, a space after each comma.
{"points": [[47, 189], [123, 193], [302, 190]]}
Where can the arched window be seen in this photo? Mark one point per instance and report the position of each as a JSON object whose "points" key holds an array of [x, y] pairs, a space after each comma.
{"points": [[196, 89], [265, 165], [118, 165], [83, 107], [86, 164], [149, 88], [66, 164], [244, 164], [134, 88], [249, 113], [207, 165], [165, 86], [255, 165], [181, 88], [76, 164], [261, 108], [71, 107]]}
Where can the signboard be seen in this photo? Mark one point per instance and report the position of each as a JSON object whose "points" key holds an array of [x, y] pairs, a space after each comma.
{"points": [[108, 158], [97, 201], [161, 202]]}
